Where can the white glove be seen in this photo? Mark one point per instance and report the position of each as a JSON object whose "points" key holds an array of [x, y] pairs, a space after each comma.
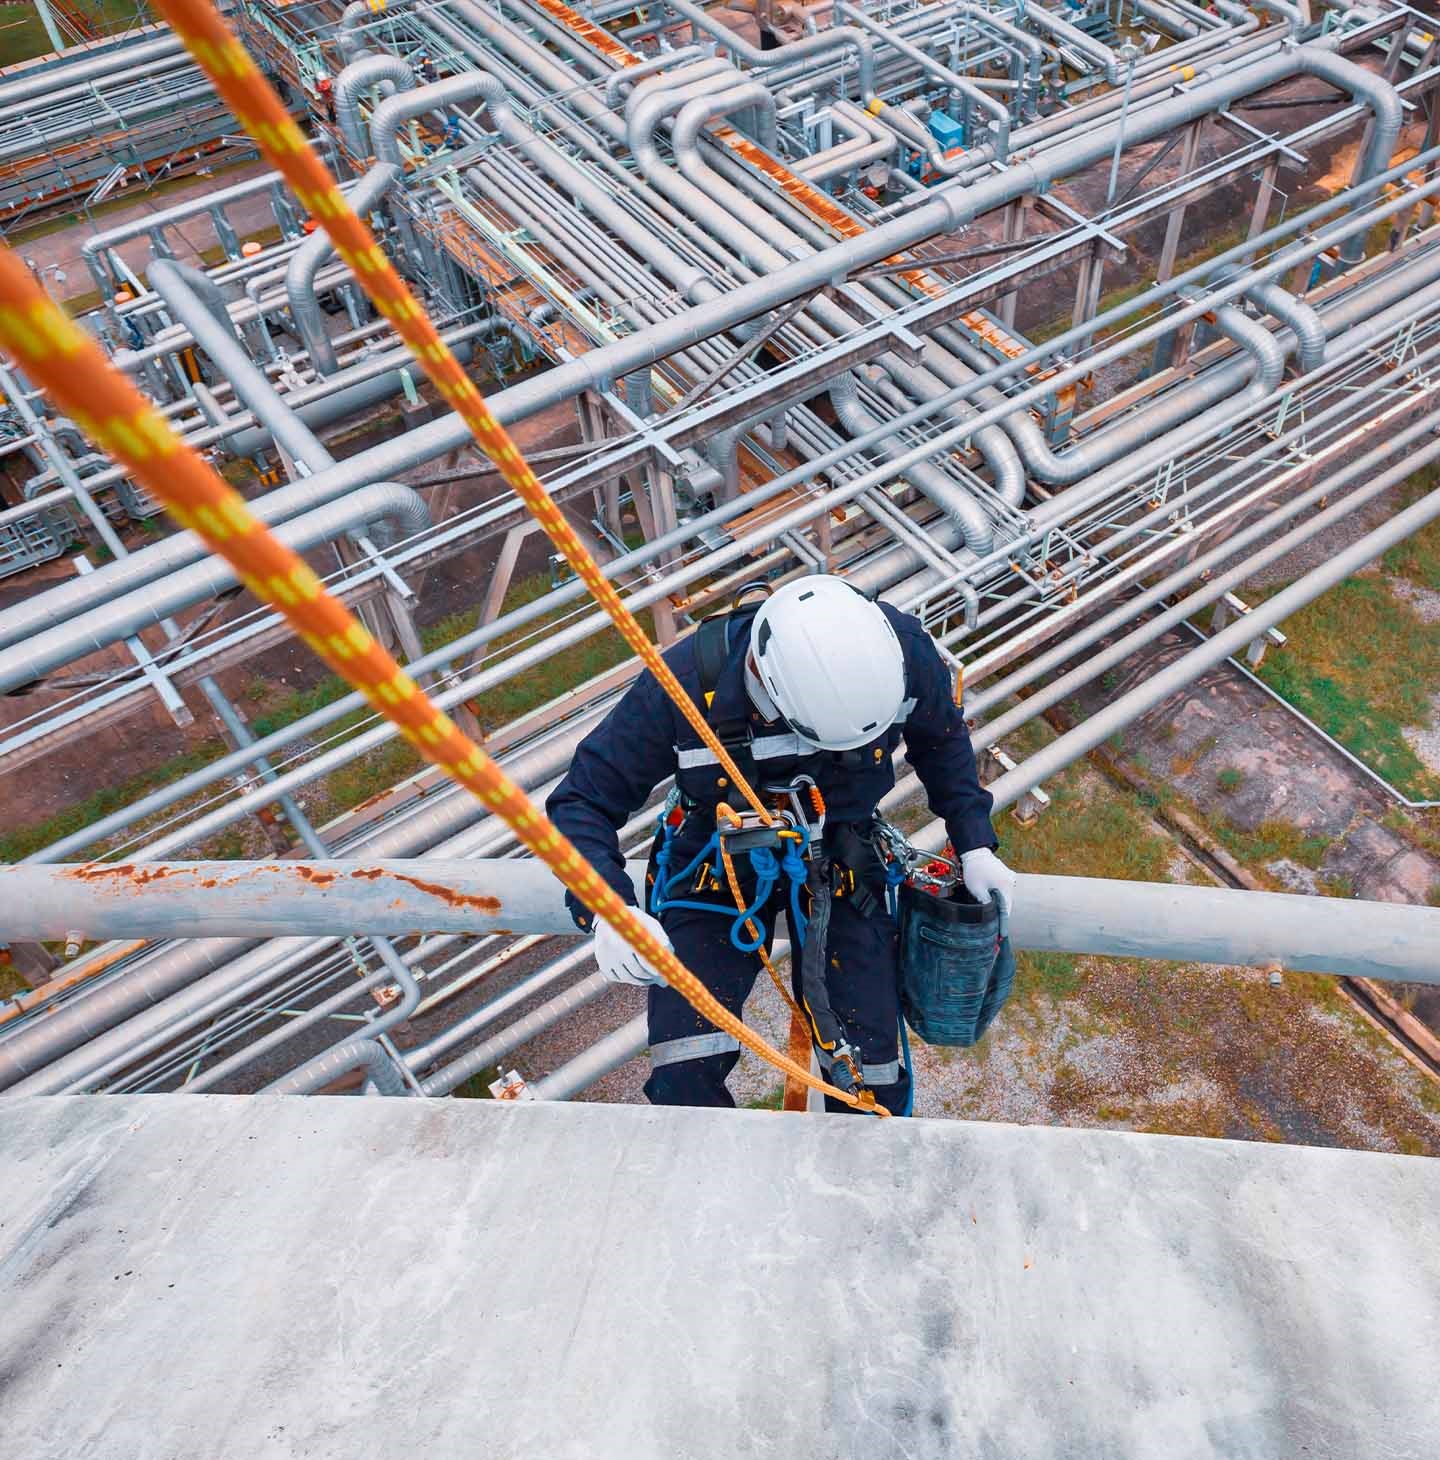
{"points": [[618, 961], [985, 873]]}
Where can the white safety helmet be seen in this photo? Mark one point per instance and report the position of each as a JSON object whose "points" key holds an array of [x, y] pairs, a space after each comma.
{"points": [[828, 661]]}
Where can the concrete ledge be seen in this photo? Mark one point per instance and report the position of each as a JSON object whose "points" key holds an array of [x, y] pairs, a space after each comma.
{"points": [[217, 1276]]}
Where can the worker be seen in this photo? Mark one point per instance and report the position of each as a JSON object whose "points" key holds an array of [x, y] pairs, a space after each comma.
{"points": [[326, 89], [425, 68], [815, 680]]}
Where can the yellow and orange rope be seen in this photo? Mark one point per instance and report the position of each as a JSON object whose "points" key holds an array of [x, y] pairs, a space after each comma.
{"points": [[259, 110], [73, 370]]}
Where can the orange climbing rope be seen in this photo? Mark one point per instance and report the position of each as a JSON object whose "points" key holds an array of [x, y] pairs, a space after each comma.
{"points": [[71, 367], [262, 114]]}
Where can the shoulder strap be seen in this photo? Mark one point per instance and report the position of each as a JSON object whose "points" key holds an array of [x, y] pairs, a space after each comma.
{"points": [[712, 653]]}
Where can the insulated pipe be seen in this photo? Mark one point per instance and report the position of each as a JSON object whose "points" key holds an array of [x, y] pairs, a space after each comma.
{"points": [[838, 37], [865, 143], [952, 499], [87, 89], [388, 118], [307, 260], [749, 96], [750, 230], [629, 75], [529, 1026], [364, 1050], [997, 111], [86, 633], [1353, 316], [1291, 14], [550, 161], [422, 1056], [1171, 20], [353, 82], [355, 15], [1300, 318], [336, 1063], [196, 302], [390, 898], [593, 1063], [948, 208], [952, 206], [1077, 40]]}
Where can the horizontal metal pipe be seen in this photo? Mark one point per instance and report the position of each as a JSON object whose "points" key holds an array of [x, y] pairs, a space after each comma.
{"points": [[494, 1048], [108, 624], [608, 1053], [63, 71], [394, 898], [1230, 640]]}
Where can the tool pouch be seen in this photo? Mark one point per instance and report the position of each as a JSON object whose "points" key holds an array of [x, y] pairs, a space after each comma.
{"points": [[956, 965]]}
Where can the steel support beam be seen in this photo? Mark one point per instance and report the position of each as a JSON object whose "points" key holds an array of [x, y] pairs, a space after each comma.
{"points": [[394, 898]]}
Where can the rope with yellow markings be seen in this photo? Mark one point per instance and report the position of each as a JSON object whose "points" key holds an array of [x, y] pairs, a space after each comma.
{"points": [[70, 366], [262, 114]]}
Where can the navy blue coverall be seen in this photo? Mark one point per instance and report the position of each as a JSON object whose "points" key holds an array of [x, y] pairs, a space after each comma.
{"points": [[645, 739]]}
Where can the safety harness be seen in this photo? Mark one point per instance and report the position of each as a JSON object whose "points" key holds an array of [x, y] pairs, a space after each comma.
{"points": [[954, 957], [794, 846]]}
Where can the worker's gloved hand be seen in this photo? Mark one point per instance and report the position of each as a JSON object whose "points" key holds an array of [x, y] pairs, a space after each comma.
{"points": [[985, 873], [618, 961]]}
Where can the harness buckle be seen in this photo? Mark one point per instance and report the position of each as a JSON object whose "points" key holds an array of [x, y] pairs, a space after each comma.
{"points": [[806, 804], [747, 831]]}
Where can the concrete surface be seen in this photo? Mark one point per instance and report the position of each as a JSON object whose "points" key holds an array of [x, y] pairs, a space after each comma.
{"points": [[264, 1277]]}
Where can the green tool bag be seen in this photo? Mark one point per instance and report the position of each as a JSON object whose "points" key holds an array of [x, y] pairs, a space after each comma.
{"points": [[956, 964]]}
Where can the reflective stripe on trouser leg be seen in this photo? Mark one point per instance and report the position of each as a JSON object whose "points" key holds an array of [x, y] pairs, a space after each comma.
{"points": [[885, 1074], [693, 1047]]}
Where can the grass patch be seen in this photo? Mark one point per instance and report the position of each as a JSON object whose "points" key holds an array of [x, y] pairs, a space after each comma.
{"points": [[1362, 664], [1418, 557], [20, 842], [477, 1086], [775, 1100], [1229, 781], [1269, 842], [1089, 831], [11, 982], [1055, 975], [23, 37]]}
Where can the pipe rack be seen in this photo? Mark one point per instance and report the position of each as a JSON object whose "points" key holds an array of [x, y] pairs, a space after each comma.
{"points": [[782, 288]]}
